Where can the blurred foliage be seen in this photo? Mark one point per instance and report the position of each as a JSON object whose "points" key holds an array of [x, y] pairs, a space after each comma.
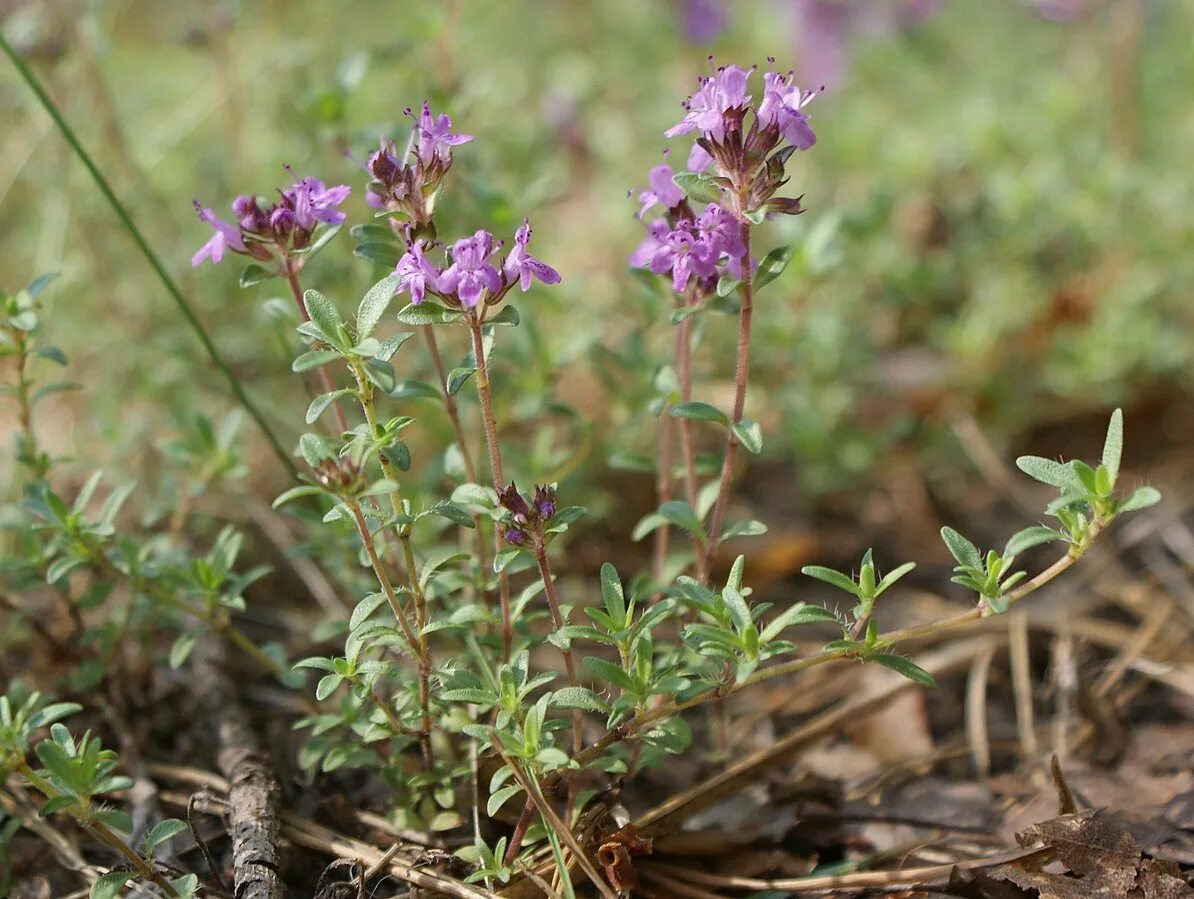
{"points": [[999, 211]]}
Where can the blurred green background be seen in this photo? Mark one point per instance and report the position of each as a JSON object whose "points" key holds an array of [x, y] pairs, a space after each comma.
{"points": [[999, 231]]}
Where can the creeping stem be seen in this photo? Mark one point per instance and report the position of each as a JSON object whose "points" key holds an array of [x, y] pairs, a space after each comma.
{"points": [[646, 718], [741, 375]]}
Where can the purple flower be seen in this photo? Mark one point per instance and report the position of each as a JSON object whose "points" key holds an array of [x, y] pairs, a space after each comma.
{"points": [[706, 109], [522, 266], [315, 202], [514, 536], [415, 273], [782, 108], [663, 190], [698, 159], [645, 251], [720, 232], [683, 254], [434, 137], [545, 502], [226, 237], [512, 501], [470, 273]]}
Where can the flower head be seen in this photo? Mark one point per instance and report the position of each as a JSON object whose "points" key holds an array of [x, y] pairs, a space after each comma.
{"points": [[720, 93], [434, 137], [782, 108], [225, 237], [514, 503], [470, 273], [684, 254], [415, 273], [314, 202], [545, 502], [521, 266], [663, 190]]}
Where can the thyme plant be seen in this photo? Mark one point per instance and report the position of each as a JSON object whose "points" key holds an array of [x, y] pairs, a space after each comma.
{"points": [[480, 694]]}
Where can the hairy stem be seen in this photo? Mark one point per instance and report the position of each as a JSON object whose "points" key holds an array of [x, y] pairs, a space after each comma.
{"points": [[485, 397], [417, 643], [466, 456], [325, 378], [102, 832], [741, 376]]}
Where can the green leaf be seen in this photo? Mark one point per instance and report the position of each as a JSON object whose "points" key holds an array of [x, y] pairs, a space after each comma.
{"points": [[892, 576], [508, 316], [1140, 498], [646, 525], [611, 592], [698, 411], [389, 346], [904, 667], [962, 549], [744, 529], [109, 885], [411, 389], [680, 514], [1028, 538], [798, 614], [374, 304], [323, 313], [52, 353], [181, 649], [382, 252], [295, 492], [380, 374], [256, 274], [749, 434], [833, 578], [1051, 472], [314, 359], [327, 686], [320, 404], [161, 832], [698, 186], [579, 698], [498, 798], [772, 266], [457, 378], [427, 313], [727, 285], [1113, 446]]}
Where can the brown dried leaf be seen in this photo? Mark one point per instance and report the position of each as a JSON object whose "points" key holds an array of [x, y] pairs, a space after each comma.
{"points": [[1103, 859]]}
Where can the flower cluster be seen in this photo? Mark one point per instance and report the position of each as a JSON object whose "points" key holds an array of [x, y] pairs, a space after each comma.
{"points": [[526, 519], [273, 232], [409, 188], [470, 276], [748, 147], [703, 247]]}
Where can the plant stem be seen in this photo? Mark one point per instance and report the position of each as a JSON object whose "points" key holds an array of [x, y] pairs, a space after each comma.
{"points": [[423, 656], [485, 397], [325, 379], [172, 289], [644, 719], [102, 831], [553, 603], [466, 456], [684, 375], [418, 644], [741, 376]]}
